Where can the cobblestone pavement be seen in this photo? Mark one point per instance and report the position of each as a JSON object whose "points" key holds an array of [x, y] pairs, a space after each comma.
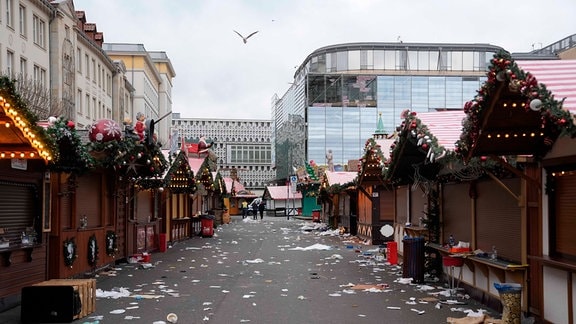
{"points": [[268, 271]]}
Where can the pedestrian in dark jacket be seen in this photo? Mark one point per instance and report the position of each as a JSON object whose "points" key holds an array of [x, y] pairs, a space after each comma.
{"points": [[261, 208], [254, 208]]}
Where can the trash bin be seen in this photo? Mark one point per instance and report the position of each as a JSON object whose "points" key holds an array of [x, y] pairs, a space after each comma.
{"points": [[316, 215], [413, 266], [511, 299], [392, 252], [162, 244], [207, 224]]}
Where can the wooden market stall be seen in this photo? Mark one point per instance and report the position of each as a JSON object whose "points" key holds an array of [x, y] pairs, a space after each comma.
{"points": [[25, 152], [176, 200], [282, 200], [376, 207], [514, 122], [338, 198]]}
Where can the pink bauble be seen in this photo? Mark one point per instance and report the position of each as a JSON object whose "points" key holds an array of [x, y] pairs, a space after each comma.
{"points": [[105, 130]]}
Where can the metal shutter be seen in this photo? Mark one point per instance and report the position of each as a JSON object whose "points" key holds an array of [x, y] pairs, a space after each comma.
{"points": [[498, 219], [456, 212], [565, 215], [19, 207]]}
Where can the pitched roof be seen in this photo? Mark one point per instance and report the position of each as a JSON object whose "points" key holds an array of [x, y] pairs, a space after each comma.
{"points": [[559, 76], [446, 126], [336, 177], [195, 164], [283, 193]]}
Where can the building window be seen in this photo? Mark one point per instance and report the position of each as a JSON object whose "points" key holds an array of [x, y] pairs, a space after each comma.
{"points": [[10, 63], [22, 22], [39, 76], [39, 31], [88, 111], [87, 66], [8, 9], [79, 98], [94, 71], [79, 59], [23, 67]]}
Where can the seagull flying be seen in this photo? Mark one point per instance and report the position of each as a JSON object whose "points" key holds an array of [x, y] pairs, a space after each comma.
{"points": [[245, 39]]}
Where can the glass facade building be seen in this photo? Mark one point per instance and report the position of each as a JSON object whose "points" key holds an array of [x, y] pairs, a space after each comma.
{"points": [[339, 91]]}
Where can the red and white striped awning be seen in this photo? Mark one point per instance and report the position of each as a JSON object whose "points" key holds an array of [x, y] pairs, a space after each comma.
{"points": [[559, 76], [446, 126]]}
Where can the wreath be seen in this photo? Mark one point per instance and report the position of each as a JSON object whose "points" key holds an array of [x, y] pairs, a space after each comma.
{"points": [[111, 244], [69, 252], [92, 250]]}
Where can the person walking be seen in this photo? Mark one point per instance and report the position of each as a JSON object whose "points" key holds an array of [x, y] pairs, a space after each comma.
{"points": [[244, 209], [261, 208], [254, 208]]}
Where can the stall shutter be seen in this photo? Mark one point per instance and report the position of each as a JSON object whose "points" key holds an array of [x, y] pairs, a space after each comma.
{"points": [[498, 219], [144, 206], [90, 185], [456, 212], [387, 205], [19, 206], [565, 209]]}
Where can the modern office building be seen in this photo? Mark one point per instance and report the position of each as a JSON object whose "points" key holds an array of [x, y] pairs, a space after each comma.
{"points": [[339, 91], [240, 144]]}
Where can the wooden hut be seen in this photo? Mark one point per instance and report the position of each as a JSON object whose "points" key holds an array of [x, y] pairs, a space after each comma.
{"points": [[25, 196], [338, 199], [282, 200], [176, 200], [376, 196], [516, 121]]}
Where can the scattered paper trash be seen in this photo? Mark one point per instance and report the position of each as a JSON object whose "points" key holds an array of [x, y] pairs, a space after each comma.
{"points": [[118, 311]]}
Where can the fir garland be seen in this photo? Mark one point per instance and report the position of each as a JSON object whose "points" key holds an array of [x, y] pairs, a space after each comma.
{"points": [[72, 155], [69, 252], [92, 250], [503, 69], [111, 243]]}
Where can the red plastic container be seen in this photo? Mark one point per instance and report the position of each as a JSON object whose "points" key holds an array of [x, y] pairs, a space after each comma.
{"points": [[392, 252], [316, 216], [162, 244], [449, 261], [207, 227]]}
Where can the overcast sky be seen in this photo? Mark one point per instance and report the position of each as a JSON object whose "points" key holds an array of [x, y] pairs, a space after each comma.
{"points": [[218, 76]]}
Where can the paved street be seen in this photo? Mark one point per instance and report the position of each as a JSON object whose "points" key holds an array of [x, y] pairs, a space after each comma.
{"points": [[269, 271]]}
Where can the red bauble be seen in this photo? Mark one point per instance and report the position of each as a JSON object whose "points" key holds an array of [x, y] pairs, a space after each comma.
{"points": [[483, 158], [105, 130], [425, 146], [71, 124]]}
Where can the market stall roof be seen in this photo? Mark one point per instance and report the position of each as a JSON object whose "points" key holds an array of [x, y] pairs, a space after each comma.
{"points": [[196, 163], [237, 189], [415, 153], [376, 152], [20, 136], [559, 76], [281, 193], [339, 177], [445, 125], [514, 113]]}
